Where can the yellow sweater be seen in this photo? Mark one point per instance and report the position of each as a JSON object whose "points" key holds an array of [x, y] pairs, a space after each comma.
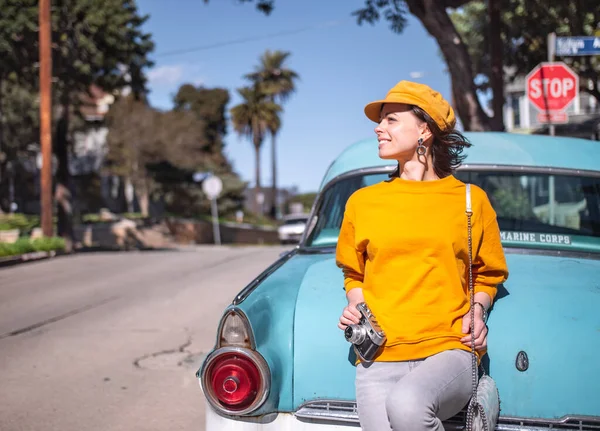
{"points": [[405, 244]]}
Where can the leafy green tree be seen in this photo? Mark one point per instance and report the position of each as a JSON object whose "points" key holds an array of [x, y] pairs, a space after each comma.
{"points": [[18, 105], [209, 106], [253, 118], [93, 42], [525, 25], [19, 133], [159, 152], [19, 108], [131, 145], [278, 82]]}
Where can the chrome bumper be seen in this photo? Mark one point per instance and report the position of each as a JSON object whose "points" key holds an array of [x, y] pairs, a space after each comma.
{"points": [[346, 412]]}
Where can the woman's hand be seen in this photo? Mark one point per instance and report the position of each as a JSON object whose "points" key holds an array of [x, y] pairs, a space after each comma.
{"points": [[350, 314], [481, 329]]}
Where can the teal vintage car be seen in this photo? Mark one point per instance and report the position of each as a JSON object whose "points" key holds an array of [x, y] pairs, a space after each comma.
{"points": [[281, 363]]}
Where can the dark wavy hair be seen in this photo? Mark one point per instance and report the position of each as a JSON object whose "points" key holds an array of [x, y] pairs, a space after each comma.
{"points": [[446, 148]]}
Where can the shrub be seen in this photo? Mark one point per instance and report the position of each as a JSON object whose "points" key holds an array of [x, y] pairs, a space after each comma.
{"points": [[25, 245], [25, 223]]}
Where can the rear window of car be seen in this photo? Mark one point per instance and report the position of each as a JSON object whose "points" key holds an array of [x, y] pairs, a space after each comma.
{"points": [[543, 203], [298, 220], [532, 208]]}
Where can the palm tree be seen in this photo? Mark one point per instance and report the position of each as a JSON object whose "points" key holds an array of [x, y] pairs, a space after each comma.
{"points": [[253, 118], [278, 82]]}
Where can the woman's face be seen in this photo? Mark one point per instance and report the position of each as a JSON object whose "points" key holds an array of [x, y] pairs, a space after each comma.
{"points": [[398, 132]]}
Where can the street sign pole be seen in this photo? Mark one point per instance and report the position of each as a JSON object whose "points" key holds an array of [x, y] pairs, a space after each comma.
{"points": [[551, 51], [215, 221], [212, 187], [551, 46]]}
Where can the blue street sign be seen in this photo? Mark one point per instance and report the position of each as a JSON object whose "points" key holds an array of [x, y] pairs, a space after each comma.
{"points": [[577, 45]]}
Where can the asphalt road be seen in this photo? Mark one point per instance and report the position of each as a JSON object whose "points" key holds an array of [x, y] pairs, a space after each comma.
{"points": [[111, 341]]}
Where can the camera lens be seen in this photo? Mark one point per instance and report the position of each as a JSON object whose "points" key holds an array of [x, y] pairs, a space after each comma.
{"points": [[355, 334]]}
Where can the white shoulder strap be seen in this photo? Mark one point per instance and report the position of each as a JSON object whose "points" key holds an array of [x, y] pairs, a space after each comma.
{"points": [[469, 208]]}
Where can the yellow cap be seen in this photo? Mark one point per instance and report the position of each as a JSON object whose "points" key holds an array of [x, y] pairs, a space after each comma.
{"points": [[413, 93]]}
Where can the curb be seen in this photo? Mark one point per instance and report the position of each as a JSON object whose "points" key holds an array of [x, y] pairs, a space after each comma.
{"points": [[27, 257]]}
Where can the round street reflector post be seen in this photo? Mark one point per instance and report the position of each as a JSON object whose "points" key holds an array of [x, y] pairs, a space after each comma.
{"points": [[212, 187]]}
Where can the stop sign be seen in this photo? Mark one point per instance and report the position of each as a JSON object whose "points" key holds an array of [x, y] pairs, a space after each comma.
{"points": [[552, 86]]}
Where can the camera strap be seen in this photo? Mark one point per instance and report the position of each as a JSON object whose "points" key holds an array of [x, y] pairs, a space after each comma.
{"points": [[475, 375]]}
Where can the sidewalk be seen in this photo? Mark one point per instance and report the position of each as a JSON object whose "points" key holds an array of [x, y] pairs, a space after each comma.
{"points": [[27, 257]]}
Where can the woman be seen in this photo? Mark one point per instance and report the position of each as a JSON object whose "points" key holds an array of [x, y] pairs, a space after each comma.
{"points": [[403, 249]]}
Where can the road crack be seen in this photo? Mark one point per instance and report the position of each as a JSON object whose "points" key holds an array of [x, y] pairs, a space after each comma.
{"points": [[168, 358], [57, 318]]}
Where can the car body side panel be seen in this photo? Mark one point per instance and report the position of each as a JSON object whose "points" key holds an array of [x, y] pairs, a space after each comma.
{"points": [[270, 309], [550, 312], [323, 359], [542, 310]]}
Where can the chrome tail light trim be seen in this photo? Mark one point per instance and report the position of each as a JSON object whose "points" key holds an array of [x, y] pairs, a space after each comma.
{"points": [[263, 369]]}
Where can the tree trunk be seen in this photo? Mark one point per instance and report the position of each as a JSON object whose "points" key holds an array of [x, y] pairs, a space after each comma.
{"points": [[143, 198], [274, 204], [593, 77], [144, 203], [2, 160], [129, 194], [497, 63], [63, 192], [258, 190], [436, 21], [594, 92]]}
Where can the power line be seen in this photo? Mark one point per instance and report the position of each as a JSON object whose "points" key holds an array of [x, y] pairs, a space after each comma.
{"points": [[247, 39]]}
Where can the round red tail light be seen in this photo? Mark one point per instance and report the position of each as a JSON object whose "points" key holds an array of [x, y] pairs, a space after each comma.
{"points": [[234, 380]]}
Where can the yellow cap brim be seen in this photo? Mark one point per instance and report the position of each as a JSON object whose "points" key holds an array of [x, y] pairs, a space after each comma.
{"points": [[373, 109], [410, 93]]}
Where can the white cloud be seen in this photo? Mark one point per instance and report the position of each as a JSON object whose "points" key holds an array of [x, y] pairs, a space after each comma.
{"points": [[166, 75], [163, 82], [416, 75]]}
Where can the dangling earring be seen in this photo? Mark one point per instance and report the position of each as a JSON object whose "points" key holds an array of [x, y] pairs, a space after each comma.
{"points": [[421, 149]]}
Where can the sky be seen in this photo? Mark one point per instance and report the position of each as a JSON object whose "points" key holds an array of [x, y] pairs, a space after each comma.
{"points": [[342, 66]]}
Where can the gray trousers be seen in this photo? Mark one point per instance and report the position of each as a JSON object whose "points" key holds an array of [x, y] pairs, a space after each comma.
{"points": [[413, 395]]}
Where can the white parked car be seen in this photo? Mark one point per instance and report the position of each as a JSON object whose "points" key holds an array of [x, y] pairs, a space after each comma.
{"points": [[292, 228]]}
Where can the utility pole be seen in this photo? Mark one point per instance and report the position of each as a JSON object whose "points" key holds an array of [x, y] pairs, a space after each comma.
{"points": [[46, 116]]}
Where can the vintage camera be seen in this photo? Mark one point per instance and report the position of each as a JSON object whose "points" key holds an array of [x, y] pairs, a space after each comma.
{"points": [[366, 336]]}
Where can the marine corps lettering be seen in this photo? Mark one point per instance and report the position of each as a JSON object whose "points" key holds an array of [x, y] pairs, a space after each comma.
{"points": [[539, 238]]}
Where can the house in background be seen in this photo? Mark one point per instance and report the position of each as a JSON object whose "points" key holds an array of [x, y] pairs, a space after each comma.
{"points": [[87, 157]]}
